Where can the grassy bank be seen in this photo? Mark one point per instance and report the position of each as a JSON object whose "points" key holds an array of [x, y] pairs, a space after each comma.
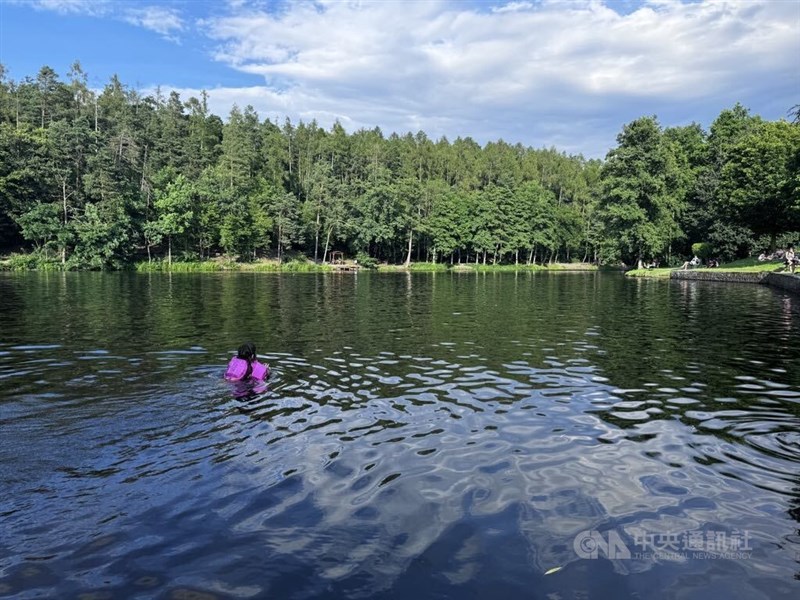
{"points": [[481, 268], [651, 273], [420, 266], [205, 266], [498, 268], [745, 265], [32, 262]]}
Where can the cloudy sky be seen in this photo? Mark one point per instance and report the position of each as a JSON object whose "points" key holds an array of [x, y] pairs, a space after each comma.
{"points": [[567, 74]]}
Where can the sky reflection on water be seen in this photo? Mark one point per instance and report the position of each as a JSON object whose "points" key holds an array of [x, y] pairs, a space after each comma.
{"points": [[426, 435]]}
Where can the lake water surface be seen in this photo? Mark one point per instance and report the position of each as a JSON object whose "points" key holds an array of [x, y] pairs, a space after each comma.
{"points": [[423, 436]]}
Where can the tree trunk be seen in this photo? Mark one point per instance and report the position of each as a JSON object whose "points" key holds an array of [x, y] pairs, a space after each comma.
{"points": [[316, 236], [280, 233], [327, 245], [169, 250], [66, 218], [410, 241], [144, 170]]}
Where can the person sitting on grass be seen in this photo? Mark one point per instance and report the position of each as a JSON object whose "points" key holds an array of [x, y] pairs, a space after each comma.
{"points": [[691, 263], [777, 255]]}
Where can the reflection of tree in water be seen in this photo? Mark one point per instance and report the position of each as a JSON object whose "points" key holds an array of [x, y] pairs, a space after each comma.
{"points": [[708, 342], [719, 359]]}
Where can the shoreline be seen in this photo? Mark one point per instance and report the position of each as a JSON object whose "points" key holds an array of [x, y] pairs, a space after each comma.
{"points": [[785, 281], [304, 266]]}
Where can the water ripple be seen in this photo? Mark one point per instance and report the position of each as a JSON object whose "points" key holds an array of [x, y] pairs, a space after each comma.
{"points": [[437, 462]]}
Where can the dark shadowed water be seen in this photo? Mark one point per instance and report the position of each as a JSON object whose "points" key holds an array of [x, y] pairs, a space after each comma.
{"points": [[423, 436]]}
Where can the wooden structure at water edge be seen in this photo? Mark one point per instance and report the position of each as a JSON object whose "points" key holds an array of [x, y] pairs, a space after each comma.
{"points": [[338, 263]]}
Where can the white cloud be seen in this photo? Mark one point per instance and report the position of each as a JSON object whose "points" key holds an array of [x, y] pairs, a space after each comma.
{"points": [[87, 7], [568, 74], [512, 7], [162, 20]]}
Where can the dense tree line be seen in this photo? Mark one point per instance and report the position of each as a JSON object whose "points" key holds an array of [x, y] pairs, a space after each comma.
{"points": [[98, 180]]}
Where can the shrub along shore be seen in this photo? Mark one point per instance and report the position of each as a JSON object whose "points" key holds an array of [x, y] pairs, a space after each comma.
{"points": [[28, 262], [300, 264]]}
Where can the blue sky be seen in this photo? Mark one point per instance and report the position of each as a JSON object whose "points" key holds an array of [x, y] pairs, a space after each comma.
{"points": [[543, 72]]}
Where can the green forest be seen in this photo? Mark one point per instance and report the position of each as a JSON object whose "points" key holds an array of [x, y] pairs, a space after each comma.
{"points": [[107, 179]]}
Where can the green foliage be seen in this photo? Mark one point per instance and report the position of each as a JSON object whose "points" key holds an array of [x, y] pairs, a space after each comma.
{"points": [[34, 261], [730, 240], [640, 207], [426, 266], [702, 250], [752, 264], [173, 207], [649, 273], [41, 224], [103, 237], [104, 179], [283, 218], [757, 180], [303, 265], [506, 268], [157, 266], [365, 261]]}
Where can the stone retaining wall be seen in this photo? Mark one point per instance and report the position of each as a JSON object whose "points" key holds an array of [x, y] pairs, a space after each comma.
{"points": [[719, 276], [784, 281]]}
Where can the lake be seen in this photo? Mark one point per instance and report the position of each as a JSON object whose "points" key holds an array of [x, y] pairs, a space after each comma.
{"points": [[430, 435]]}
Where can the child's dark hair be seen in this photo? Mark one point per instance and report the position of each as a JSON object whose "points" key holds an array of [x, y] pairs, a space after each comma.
{"points": [[247, 351]]}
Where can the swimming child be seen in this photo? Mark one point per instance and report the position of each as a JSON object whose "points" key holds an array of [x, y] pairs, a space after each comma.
{"points": [[245, 365]]}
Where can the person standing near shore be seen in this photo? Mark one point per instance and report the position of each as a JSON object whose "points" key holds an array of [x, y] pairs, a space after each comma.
{"points": [[790, 258]]}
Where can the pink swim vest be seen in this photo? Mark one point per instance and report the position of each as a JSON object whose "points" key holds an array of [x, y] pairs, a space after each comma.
{"points": [[238, 367]]}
